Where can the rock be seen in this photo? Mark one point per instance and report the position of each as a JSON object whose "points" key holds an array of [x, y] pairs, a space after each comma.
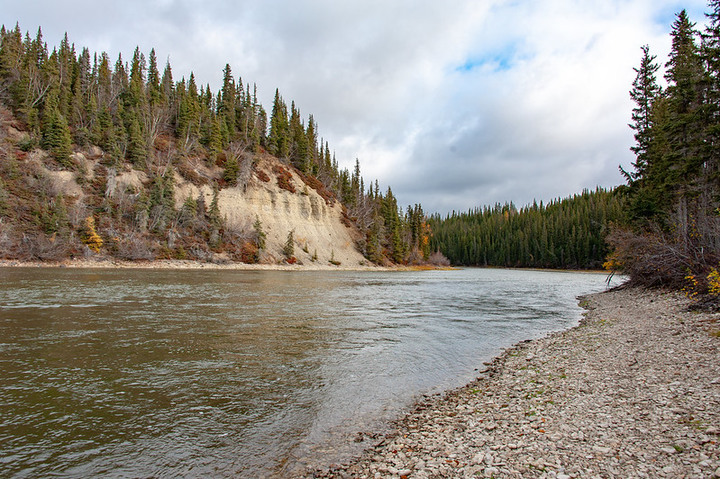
{"points": [[490, 471]]}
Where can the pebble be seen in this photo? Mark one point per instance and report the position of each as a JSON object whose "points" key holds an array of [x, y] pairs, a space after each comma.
{"points": [[631, 392]]}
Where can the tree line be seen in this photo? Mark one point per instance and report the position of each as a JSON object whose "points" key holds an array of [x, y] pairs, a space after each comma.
{"points": [[69, 101], [565, 233]]}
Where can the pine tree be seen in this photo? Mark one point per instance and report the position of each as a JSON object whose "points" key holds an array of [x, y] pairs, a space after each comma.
{"points": [[644, 93], [711, 57], [289, 247], [645, 116], [278, 141], [153, 81], [259, 234], [56, 136], [231, 171], [685, 76], [226, 101]]}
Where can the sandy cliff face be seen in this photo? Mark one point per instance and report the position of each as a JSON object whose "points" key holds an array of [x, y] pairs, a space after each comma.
{"points": [[317, 226]]}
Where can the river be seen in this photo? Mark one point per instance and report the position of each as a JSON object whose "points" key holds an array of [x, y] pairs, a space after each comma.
{"points": [[195, 373]]}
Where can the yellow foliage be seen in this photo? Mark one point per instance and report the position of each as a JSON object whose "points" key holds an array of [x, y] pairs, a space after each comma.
{"points": [[691, 288], [713, 280], [90, 236], [613, 262]]}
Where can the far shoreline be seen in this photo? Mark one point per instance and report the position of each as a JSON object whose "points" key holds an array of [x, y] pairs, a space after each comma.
{"points": [[181, 265], [174, 264], [171, 264]]}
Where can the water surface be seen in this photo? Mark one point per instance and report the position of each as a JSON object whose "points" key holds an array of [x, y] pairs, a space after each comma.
{"points": [[141, 373]]}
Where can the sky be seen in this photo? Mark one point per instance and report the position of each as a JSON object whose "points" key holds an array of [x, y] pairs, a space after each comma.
{"points": [[454, 104]]}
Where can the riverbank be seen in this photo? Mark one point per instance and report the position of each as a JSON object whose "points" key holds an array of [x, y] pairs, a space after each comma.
{"points": [[633, 391], [183, 264]]}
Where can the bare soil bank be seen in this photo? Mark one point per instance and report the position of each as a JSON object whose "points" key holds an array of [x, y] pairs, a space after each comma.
{"points": [[634, 391]]}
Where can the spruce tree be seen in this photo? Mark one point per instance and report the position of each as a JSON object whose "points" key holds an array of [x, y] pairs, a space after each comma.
{"points": [[56, 137], [644, 93], [289, 247], [278, 141], [685, 75]]}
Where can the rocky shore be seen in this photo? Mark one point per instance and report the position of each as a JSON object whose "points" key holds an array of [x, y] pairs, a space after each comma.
{"points": [[633, 392]]}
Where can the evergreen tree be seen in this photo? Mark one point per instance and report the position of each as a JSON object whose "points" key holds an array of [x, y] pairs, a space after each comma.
{"points": [[56, 136], [153, 81], [259, 233], [226, 101], [685, 76], [278, 141], [646, 94], [289, 247]]}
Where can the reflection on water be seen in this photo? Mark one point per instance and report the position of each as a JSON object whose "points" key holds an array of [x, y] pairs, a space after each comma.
{"points": [[135, 373]]}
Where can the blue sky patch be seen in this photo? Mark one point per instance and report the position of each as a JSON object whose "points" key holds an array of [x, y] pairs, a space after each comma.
{"points": [[494, 60], [666, 16]]}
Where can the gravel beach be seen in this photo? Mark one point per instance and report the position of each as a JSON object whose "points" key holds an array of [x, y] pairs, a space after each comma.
{"points": [[633, 391]]}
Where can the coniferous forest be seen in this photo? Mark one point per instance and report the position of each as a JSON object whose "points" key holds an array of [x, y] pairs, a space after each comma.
{"points": [[673, 190], [566, 233]]}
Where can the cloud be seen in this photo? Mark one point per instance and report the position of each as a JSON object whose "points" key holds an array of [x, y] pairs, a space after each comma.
{"points": [[454, 104]]}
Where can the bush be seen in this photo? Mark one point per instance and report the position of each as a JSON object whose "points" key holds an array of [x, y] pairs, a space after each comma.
{"points": [[656, 259], [438, 259], [284, 178], [134, 248], [263, 176]]}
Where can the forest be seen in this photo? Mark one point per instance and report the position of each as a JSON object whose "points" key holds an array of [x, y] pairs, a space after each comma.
{"points": [[564, 234], [673, 191], [131, 116]]}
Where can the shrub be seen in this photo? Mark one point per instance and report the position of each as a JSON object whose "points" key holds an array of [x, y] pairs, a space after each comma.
{"points": [[90, 236], [249, 252], [284, 178], [262, 176], [438, 259]]}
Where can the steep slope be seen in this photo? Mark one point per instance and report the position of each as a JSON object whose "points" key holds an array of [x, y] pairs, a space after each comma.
{"points": [[45, 207], [319, 227]]}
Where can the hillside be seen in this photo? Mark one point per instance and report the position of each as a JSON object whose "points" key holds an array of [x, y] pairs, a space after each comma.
{"points": [[123, 162], [45, 207]]}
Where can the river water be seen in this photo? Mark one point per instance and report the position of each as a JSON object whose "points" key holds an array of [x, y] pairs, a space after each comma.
{"points": [[158, 373]]}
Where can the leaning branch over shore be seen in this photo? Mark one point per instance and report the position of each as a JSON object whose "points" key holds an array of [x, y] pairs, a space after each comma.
{"points": [[634, 391]]}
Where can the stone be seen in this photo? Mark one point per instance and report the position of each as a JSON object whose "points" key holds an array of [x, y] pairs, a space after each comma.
{"points": [[601, 449]]}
